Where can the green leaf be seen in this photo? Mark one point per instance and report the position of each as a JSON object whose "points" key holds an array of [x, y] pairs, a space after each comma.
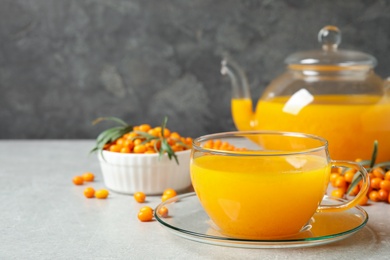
{"points": [[110, 118], [383, 165], [166, 147], [110, 134], [374, 154], [355, 181], [358, 177], [163, 125]]}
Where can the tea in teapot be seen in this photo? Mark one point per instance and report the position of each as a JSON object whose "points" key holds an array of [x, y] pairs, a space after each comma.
{"points": [[332, 93]]}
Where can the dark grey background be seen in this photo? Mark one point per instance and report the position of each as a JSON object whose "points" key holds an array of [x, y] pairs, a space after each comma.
{"points": [[65, 62]]}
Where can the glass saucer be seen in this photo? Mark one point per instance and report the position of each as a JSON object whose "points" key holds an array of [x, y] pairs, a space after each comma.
{"points": [[188, 219]]}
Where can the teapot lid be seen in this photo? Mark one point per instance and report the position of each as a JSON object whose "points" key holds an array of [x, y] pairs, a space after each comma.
{"points": [[330, 38]]}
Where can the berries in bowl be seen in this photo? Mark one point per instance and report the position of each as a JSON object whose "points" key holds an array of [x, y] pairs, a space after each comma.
{"points": [[143, 158]]}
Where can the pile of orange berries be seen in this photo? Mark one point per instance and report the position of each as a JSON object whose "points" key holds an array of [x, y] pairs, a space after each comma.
{"points": [[379, 188], [136, 142], [221, 145], [145, 214], [90, 192]]}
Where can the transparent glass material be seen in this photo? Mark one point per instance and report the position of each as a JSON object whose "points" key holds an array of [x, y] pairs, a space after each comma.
{"points": [[265, 184], [330, 92], [187, 219]]}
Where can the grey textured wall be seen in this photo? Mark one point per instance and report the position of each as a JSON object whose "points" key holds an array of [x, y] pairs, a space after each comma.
{"points": [[65, 62]]}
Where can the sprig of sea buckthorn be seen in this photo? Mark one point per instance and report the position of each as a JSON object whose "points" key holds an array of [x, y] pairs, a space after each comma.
{"points": [[347, 181], [141, 139]]}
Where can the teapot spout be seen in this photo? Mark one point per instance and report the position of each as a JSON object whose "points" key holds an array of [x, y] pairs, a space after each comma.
{"points": [[241, 102], [240, 87]]}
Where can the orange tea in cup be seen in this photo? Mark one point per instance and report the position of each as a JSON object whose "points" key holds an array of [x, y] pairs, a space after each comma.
{"points": [[270, 190]]}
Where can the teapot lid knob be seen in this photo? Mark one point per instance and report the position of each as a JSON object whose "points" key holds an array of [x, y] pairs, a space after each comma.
{"points": [[329, 37], [330, 55]]}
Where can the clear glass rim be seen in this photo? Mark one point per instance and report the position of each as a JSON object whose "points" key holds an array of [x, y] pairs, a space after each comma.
{"points": [[195, 147]]}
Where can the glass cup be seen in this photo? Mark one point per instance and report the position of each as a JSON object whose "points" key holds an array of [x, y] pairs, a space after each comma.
{"points": [[265, 184]]}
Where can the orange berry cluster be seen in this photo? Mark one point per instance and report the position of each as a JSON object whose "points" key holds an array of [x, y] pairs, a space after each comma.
{"points": [[145, 214], [137, 142], [90, 192], [221, 145], [379, 188]]}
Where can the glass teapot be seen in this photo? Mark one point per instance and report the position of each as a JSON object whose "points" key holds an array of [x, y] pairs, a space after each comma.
{"points": [[332, 93]]}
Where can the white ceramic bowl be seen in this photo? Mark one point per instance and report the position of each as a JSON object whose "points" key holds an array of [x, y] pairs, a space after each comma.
{"points": [[129, 173]]}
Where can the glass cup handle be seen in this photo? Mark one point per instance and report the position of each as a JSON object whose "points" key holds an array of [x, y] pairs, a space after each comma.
{"points": [[363, 189]]}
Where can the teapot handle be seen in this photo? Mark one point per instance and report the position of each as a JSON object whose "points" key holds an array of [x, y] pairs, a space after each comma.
{"points": [[240, 86], [386, 85], [387, 82]]}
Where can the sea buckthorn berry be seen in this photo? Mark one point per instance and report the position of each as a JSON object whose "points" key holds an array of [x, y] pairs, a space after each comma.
{"points": [[78, 180], [177, 148], [337, 193], [378, 172], [167, 132], [333, 177], [167, 194], [120, 141], [387, 175], [137, 142], [145, 127], [139, 148], [217, 144], [125, 149], [175, 135], [101, 194], [146, 208], [115, 148], [132, 135], [383, 195], [363, 201], [128, 143], [139, 197], [153, 132], [170, 192], [349, 176], [145, 214], [157, 131], [385, 185], [209, 144], [163, 212], [88, 176], [89, 192], [375, 183], [374, 196], [340, 182], [165, 197]]}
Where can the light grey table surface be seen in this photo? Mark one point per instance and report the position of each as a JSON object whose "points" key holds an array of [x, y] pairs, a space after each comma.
{"points": [[44, 216]]}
